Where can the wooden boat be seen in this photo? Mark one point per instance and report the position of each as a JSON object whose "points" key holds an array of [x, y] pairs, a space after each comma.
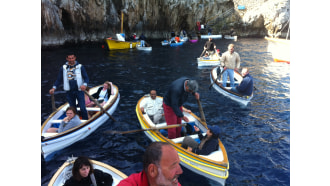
{"points": [[145, 48], [208, 61], [51, 142], [182, 40], [244, 100], [193, 40], [64, 172], [280, 49], [230, 37], [213, 166], [115, 44], [120, 43], [211, 36], [177, 44]]}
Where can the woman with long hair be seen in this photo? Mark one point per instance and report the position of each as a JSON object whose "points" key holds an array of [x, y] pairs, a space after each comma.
{"points": [[83, 174]]}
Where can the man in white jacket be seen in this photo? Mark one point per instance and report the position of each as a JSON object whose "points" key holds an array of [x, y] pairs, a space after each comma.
{"points": [[153, 107]]}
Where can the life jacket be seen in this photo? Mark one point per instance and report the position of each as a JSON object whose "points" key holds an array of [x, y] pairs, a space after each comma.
{"points": [[76, 75]]}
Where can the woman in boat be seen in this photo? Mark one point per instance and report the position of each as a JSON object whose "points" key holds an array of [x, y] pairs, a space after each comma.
{"points": [[71, 120], [83, 174], [208, 143], [103, 93], [88, 102]]}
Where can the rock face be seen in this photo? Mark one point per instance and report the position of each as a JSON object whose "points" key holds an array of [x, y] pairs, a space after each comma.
{"points": [[94, 20]]}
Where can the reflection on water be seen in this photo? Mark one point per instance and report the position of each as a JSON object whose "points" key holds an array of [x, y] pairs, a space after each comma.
{"points": [[256, 137]]}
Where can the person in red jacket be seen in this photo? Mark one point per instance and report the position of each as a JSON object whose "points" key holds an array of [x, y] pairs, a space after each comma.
{"points": [[160, 167]]}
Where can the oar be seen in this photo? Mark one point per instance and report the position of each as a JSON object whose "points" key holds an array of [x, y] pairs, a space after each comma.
{"points": [[202, 53], [219, 76], [98, 104], [53, 102], [201, 111], [147, 129]]}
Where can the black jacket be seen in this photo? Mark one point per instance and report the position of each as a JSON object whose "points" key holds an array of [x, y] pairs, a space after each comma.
{"points": [[176, 95], [102, 179], [97, 94], [209, 146]]}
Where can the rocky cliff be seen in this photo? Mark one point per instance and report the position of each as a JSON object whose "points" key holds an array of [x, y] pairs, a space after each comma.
{"points": [[94, 20]]}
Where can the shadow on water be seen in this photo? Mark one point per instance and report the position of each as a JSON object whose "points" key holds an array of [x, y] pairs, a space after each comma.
{"points": [[256, 137]]}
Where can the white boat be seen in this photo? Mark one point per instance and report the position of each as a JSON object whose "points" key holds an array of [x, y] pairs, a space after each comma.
{"points": [[211, 36], [213, 166], [51, 142], [208, 61], [65, 172], [183, 39], [217, 85], [145, 48], [230, 37], [279, 48]]}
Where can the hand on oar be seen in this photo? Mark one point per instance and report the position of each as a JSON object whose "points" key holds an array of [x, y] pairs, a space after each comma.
{"points": [[97, 103], [202, 53], [139, 130]]}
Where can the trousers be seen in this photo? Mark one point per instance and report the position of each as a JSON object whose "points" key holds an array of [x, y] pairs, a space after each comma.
{"points": [[74, 95], [172, 119]]}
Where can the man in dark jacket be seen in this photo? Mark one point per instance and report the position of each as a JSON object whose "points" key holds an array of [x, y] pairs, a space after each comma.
{"points": [[209, 47], [173, 100], [246, 85]]}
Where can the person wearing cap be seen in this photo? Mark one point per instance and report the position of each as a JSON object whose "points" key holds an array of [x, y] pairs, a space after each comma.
{"points": [[208, 143], [173, 100]]}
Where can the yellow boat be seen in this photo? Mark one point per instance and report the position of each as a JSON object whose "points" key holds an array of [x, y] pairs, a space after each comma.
{"points": [[120, 43], [214, 166], [114, 44]]}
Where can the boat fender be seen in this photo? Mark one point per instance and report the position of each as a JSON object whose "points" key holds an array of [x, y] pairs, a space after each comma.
{"points": [[130, 45]]}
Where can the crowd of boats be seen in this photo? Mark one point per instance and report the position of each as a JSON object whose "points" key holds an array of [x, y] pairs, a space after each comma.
{"points": [[214, 166]]}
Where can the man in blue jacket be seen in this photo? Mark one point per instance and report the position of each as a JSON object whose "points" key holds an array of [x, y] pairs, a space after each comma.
{"points": [[173, 100], [246, 85], [75, 79]]}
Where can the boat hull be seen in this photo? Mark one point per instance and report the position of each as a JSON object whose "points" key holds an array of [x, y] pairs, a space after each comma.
{"points": [[118, 45], [216, 170], [244, 100], [55, 141], [203, 62], [280, 49], [64, 172], [139, 47], [211, 36], [230, 37]]}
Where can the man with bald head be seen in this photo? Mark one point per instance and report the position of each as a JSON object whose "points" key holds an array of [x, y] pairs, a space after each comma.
{"points": [[160, 167]]}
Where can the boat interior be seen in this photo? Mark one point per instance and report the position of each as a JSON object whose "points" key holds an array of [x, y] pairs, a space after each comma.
{"points": [[56, 120], [188, 130]]}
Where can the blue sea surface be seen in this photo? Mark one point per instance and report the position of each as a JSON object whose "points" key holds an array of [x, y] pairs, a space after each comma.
{"points": [[256, 137]]}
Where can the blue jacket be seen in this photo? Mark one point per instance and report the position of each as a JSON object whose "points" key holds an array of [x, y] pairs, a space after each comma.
{"points": [[72, 83], [176, 95], [246, 86]]}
